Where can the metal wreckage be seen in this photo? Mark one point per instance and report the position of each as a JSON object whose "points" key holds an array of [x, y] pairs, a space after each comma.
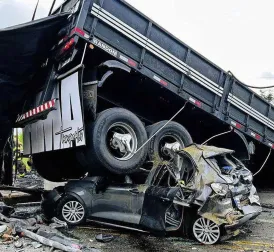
{"points": [[204, 192]]}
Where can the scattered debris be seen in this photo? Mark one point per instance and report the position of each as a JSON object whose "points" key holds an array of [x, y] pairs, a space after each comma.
{"points": [[18, 244], [15, 227], [269, 206], [27, 210], [36, 245], [56, 223], [59, 238], [47, 242], [3, 228], [5, 210], [104, 237], [32, 182]]}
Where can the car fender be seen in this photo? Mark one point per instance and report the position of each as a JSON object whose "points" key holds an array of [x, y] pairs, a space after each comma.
{"points": [[82, 195]]}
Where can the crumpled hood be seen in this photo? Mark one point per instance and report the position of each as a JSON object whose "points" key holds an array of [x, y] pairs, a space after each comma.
{"points": [[197, 151], [205, 174]]}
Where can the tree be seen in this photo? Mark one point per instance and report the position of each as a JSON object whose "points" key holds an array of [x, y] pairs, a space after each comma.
{"points": [[267, 95]]}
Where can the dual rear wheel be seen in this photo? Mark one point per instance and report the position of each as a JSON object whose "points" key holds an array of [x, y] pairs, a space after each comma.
{"points": [[116, 144]]}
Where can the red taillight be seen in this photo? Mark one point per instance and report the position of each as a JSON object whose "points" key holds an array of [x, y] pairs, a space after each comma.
{"points": [[68, 45], [77, 30]]}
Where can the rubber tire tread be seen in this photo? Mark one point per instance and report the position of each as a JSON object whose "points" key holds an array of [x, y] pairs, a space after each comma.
{"points": [[171, 128], [96, 157]]}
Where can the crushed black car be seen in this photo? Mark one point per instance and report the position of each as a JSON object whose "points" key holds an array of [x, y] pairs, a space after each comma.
{"points": [[204, 192]]}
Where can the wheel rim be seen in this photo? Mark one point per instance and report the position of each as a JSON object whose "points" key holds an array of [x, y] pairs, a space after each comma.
{"points": [[170, 139], [121, 141], [206, 231], [73, 212]]}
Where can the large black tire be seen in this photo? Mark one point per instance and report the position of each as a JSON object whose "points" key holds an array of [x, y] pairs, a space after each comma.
{"points": [[63, 208], [172, 132], [98, 154], [58, 166]]}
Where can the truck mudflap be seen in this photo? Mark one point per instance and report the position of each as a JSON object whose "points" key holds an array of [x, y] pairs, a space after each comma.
{"points": [[57, 124]]}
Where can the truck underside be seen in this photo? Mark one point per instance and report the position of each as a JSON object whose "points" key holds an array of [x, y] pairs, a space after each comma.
{"points": [[114, 66]]}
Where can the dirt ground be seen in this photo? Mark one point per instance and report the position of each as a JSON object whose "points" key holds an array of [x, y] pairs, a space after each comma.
{"points": [[258, 236]]}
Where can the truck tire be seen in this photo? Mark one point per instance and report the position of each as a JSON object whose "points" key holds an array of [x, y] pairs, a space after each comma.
{"points": [[171, 133], [58, 166], [104, 151]]}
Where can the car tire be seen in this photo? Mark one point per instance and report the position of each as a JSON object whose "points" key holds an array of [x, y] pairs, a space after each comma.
{"points": [[71, 210], [191, 218], [100, 154], [172, 132], [58, 166]]}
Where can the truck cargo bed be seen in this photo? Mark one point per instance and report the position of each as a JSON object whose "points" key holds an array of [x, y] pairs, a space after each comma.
{"points": [[131, 37]]}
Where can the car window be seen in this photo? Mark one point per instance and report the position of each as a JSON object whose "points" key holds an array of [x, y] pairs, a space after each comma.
{"points": [[187, 169], [224, 163]]}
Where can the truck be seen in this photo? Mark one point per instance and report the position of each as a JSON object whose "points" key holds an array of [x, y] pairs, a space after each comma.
{"points": [[118, 90]]}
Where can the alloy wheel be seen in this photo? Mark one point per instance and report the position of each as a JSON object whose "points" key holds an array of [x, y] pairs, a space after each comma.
{"points": [[206, 231], [73, 212]]}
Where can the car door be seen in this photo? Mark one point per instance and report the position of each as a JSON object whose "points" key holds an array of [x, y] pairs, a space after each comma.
{"points": [[119, 202]]}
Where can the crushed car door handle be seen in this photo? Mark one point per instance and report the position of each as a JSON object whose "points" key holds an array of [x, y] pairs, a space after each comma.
{"points": [[134, 191]]}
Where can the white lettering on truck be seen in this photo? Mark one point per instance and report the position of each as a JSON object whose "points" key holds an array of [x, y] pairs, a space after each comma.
{"points": [[63, 128], [105, 47]]}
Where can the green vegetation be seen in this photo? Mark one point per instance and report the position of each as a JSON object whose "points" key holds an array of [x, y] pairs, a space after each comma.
{"points": [[24, 159]]}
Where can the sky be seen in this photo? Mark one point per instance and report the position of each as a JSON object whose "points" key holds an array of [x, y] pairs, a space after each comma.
{"points": [[237, 35]]}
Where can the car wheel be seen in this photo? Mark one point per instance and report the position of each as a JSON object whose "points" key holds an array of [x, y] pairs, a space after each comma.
{"points": [[206, 231], [57, 166], [71, 210], [112, 140], [173, 133]]}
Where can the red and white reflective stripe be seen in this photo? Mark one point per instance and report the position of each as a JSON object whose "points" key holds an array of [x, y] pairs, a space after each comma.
{"points": [[129, 61], [236, 125], [164, 83], [271, 145], [79, 31], [37, 110], [196, 102], [258, 137]]}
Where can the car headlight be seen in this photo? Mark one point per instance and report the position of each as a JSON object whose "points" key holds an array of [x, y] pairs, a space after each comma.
{"points": [[220, 189]]}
